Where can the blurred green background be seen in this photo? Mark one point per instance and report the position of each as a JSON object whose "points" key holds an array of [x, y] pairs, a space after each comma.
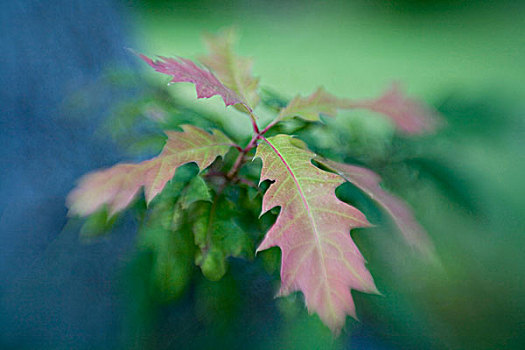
{"points": [[465, 183]]}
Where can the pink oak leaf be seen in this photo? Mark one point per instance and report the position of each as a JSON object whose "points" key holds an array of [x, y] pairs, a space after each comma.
{"points": [[117, 186], [312, 230]]}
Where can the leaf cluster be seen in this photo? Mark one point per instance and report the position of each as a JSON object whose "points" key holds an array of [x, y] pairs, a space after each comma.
{"points": [[206, 201]]}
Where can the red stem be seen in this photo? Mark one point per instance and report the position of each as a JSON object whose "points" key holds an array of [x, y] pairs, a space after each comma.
{"points": [[239, 161], [253, 142], [252, 118]]}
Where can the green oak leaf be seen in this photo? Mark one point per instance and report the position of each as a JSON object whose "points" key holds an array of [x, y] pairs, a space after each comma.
{"points": [[218, 237]]}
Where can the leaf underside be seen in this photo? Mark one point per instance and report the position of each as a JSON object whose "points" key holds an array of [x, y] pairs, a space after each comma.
{"points": [[117, 186], [312, 230]]}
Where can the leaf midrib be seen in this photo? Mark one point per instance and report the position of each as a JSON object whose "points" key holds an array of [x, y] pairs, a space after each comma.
{"points": [[307, 207]]}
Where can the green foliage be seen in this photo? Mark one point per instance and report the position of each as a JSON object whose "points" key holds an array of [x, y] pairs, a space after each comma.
{"points": [[218, 237]]}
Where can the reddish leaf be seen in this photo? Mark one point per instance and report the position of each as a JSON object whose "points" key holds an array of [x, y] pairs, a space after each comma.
{"points": [[184, 70], [319, 257], [117, 186], [368, 182], [409, 115]]}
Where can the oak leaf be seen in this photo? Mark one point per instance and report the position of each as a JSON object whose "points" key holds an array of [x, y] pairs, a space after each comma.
{"points": [[117, 186], [409, 115], [218, 237], [309, 108], [312, 230]]}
